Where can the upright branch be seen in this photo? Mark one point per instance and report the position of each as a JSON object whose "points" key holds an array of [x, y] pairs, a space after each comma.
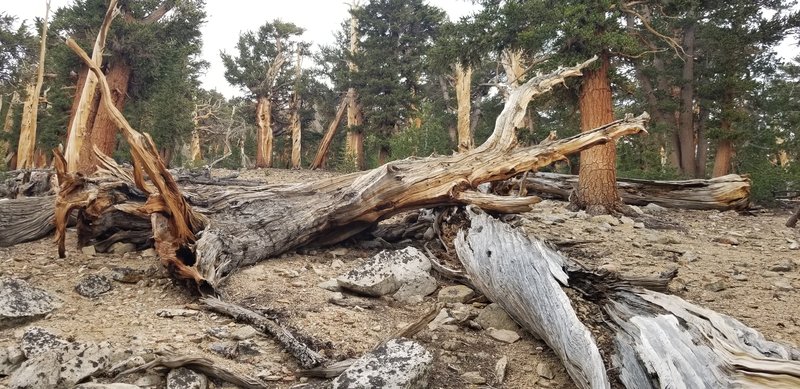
{"points": [[325, 143], [27, 132], [294, 120]]}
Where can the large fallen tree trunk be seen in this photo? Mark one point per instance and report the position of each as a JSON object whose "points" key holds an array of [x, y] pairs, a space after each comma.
{"points": [[720, 193], [648, 339], [248, 225]]}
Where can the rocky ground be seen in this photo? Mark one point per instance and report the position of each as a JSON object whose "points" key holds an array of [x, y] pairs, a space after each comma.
{"points": [[743, 266]]}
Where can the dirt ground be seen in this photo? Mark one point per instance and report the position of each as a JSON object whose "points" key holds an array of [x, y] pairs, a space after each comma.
{"points": [[754, 280]]}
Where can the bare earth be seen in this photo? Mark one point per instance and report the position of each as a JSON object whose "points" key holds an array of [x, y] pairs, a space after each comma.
{"points": [[733, 279]]}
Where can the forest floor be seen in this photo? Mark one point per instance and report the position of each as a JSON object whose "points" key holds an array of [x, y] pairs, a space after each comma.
{"points": [[735, 264]]}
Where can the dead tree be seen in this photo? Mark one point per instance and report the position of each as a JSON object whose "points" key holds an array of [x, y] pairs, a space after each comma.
{"points": [[27, 131], [294, 116], [721, 193], [647, 339], [254, 224], [327, 139]]}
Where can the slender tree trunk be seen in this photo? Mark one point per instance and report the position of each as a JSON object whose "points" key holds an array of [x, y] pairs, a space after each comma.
{"points": [[597, 182], [102, 131], [87, 98], [264, 136], [354, 145], [27, 131], [686, 133], [702, 143], [325, 143], [195, 151], [6, 151], [463, 91], [294, 121]]}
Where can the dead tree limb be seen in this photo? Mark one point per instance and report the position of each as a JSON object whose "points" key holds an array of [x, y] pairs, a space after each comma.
{"points": [[792, 222], [201, 365], [652, 340], [720, 193], [325, 143]]}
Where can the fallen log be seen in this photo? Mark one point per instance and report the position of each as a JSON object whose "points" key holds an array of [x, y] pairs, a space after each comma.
{"points": [[27, 183], [248, 225], [720, 193], [647, 340]]}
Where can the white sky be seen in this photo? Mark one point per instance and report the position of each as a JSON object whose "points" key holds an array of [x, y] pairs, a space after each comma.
{"points": [[226, 19]]}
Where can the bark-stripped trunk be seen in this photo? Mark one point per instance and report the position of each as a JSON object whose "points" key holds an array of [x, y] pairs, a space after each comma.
{"points": [[101, 131], [354, 144], [27, 131], [597, 190], [686, 133], [7, 153], [264, 135], [294, 120], [77, 132], [327, 139], [463, 82]]}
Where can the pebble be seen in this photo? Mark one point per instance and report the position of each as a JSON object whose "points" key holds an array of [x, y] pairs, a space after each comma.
{"points": [[473, 377], [782, 284], [455, 294], [500, 370], [544, 371], [243, 333], [504, 336], [716, 286], [726, 240]]}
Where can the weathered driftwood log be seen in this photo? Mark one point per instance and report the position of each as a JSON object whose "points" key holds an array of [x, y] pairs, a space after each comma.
{"points": [[648, 339], [720, 193]]}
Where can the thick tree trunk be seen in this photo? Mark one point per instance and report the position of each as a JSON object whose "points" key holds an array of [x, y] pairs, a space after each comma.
{"points": [[686, 133], [721, 193], [253, 224], [102, 131], [723, 158], [264, 135], [327, 139], [80, 124], [597, 190], [647, 339], [354, 144], [463, 82]]}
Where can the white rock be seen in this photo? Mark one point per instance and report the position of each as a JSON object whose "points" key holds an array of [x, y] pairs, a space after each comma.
{"points": [[396, 364], [388, 271], [19, 301], [504, 336]]}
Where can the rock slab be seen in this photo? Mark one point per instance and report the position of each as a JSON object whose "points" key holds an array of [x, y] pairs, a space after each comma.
{"points": [[19, 301], [93, 286], [183, 378], [396, 364], [403, 273]]}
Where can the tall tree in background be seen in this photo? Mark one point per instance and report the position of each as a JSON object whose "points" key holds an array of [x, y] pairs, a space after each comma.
{"points": [[27, 132], [354, 146], [262, 66], [17, 51], [395, 36]]}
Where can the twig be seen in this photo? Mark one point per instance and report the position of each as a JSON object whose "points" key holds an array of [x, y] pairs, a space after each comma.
{"points": [[200, 364]]}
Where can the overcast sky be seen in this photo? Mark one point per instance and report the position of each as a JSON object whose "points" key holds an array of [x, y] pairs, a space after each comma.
{"points": [[228, 18]]}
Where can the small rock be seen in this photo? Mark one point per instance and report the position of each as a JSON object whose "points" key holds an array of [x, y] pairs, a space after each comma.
{"points": [[769, 274], [739, 277], [37, 340], [731, 240], [120, 248], [494, 316], [176, 312], [88, 250], [398, 363], [638, 225], [782, 284], [93, 286], [228, 350], [218, 332], [689, 256], [783, 266], [336, 264], [500, 370], [338, 252], [626, 220], [504, 336], [455, 294], [473, 377], [183, 378], [610, 220], [151, 252], [21, 301], [248, 347], [243, 333], [127, 275], [386, 272], [544, 371], [331, 285], [441, 318], [414, 288], [794, 245], [150, 381], [653, 208], [717, 286]]}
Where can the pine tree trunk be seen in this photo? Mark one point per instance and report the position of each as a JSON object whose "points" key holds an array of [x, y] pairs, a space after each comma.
{"points": [[294, 120], [101, 131], [354, 145], [597, 190], [264, 136], [463, 91], [723, 158], [686, 133], [87, 99]]}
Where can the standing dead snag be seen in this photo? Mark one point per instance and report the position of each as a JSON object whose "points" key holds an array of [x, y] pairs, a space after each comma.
{"points": [[325, 143], [27, 132]]}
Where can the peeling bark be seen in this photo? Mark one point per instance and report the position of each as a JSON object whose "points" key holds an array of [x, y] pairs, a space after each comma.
{"points": [[463, 81], [264, 135], [294, 120]]}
